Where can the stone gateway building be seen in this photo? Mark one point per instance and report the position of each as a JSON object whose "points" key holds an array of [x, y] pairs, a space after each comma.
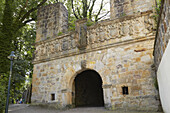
{"points": [[107, 64]]}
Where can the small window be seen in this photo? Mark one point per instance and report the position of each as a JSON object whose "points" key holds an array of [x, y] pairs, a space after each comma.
{"points": [[52, 96], [125, 90]]}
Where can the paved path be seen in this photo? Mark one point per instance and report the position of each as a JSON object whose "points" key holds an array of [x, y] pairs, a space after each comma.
{"points": [[22, 108]]}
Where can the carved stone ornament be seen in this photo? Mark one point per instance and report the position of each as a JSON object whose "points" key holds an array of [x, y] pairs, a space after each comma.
{"points": [[81, 34], [83, 64]]}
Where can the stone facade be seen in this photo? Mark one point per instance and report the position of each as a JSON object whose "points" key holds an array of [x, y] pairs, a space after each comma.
{"points": [[163, 33], [119, 50]]}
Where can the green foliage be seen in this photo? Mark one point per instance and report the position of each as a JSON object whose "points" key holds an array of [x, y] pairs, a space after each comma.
{"points": [[89, 22], [6, 36], [157, 10], [1, 9], [22, 66], [16, 35], [71, 17], [60, 33], [3, 89], [123, 15], [71, 24]]}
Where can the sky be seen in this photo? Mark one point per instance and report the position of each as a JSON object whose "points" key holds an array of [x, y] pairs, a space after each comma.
{"points": [[106, 7]]}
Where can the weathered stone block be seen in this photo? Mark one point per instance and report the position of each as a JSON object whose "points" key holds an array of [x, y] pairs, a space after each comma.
{"points": [[121, 8], [52, 20]]}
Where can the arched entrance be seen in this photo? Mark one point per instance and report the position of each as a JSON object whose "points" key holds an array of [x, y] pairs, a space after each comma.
{"points": [[88, 89]]}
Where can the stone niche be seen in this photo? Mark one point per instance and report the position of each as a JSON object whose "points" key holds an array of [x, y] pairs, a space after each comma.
{"points": [[121, 8], [52, 21]]}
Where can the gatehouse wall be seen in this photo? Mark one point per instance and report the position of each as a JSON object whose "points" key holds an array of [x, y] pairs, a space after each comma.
{"points": [[120, 50]]}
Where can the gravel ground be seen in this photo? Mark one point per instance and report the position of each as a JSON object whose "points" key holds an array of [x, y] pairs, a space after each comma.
{"points": [[36, 109]]}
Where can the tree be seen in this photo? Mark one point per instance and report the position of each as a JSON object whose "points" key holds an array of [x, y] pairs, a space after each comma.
{"points": [[13, 24], [15, 15], [85, 9], [23, 67]]}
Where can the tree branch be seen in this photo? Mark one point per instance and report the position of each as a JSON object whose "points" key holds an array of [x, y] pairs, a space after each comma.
{"points": [[91, 9], [102, 16], [74, 10], [25, 4], [29, 20], [78, 10], [22, 9], [32, 10], [89, 4], [84, 13], [101, 7]]}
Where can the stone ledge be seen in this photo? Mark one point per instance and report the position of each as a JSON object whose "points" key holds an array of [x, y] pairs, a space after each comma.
{"points": [[95, 49]]}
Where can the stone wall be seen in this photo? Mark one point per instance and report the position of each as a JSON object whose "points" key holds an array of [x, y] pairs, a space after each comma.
{"points": [[125, 65], [120, 8], [162, 54], [163, 32], [119, 50]]}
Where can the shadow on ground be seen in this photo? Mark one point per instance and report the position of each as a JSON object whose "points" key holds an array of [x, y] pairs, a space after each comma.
{"points": [[23, 108]]}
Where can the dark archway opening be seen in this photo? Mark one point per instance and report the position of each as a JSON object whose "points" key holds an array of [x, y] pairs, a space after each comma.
{"points": [[88, 89]]}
